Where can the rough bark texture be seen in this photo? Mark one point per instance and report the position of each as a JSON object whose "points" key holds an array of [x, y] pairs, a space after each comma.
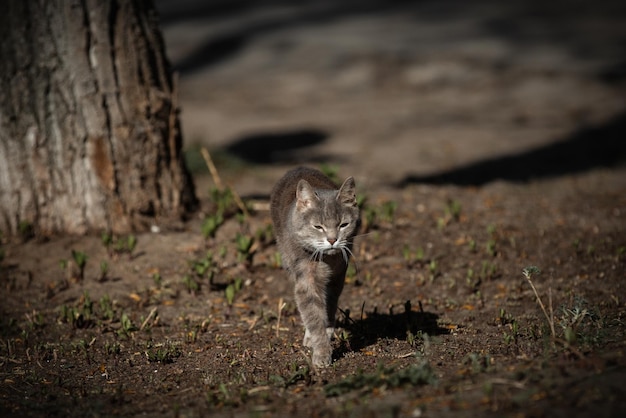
{"points": [[89, 129]]}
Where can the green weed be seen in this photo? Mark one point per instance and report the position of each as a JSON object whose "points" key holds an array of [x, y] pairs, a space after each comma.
{"points": [[211, 224], [80, 258], [331, 172], [163, 353], [414, 375], [243, 245], [106, 308], [232, 289], [104, 270], [127, 326]]}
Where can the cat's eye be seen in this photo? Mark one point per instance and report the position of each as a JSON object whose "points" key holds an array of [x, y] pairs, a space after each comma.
{"points": [[343, 225], [318, 227]]}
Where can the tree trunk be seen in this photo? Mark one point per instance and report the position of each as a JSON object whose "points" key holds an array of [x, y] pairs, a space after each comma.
{"points": [[89, 132]]}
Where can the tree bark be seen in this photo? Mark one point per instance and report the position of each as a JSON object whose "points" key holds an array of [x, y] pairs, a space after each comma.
{"points": [[90, 137]]}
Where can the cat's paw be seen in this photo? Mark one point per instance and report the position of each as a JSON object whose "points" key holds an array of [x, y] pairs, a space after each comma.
{"points": [[306, 342], [322, 357], [330, 333]]}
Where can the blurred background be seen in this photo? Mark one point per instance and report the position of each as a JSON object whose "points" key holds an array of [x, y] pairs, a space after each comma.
{"points": [[396, 92]]}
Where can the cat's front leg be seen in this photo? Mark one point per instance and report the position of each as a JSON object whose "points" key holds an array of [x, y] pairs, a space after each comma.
{"points": [[312, 307]]}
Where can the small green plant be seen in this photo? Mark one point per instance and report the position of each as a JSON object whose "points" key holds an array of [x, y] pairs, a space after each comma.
{"points": [[163, 353], [488, 270], [224, 201], [432, 269], [202, 269], [296, 374], [372, 215], [232, 289], [351, 272], [580, 323], [244, 247], [528, 273], [106, 308], [80, 316], [80, 258], [107, 240], [35, 320], [414, 375], [278, 260], [157, 279], [131, 243], [330, 171], [104, 270], [112, 348], [453, 210], [510, 324], [211, 224], [388, 210], [369, 217], [512, 334], [118, 246], [127, 326], [409, 255], [479, 363], [190, 284], [265, 234]]}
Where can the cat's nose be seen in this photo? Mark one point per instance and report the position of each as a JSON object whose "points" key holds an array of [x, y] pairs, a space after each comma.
{"points": [[331, 241]]}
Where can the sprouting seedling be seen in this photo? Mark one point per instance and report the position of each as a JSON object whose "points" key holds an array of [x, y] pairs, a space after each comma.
{"points": [[232, 289], [211, 224], [432, 266], [453, 210], [528, 272], [131, 243], [204, 267], [80, 258], [106, 307], [223, 199], [107, 241], [369, 216], [330, 172], [264, 234], [104, 270], [117, 246], [158, 280], [127, 326], [244, 245], [191, 285], [388, 210], [361, 199], [406, 253], [278, 260]]}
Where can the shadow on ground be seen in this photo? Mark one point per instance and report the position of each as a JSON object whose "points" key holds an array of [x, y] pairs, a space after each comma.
{"points": [[280, 147], [590, 148], [373, 326]]}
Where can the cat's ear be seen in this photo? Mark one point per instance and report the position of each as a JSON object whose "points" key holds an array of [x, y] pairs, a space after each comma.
{"points": [[347, 192], [305, 195]]}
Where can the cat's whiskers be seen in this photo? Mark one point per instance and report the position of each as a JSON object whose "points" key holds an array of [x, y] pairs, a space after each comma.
{"points": [[316, 255]]}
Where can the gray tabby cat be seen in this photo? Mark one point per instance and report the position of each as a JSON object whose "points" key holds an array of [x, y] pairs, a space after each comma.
{"points": [[314, 224]]}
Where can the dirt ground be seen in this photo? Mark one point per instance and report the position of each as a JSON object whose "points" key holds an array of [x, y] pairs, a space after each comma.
{"points": [[487, 142]]}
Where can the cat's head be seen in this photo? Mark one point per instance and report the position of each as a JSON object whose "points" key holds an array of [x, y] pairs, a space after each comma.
{"points": [[326, 220]]}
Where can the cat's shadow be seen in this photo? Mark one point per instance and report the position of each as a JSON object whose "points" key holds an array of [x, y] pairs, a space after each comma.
{"points": [[402, 322]]}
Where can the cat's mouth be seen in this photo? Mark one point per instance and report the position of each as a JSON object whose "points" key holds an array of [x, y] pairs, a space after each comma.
{"points": [[331, 250]]}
